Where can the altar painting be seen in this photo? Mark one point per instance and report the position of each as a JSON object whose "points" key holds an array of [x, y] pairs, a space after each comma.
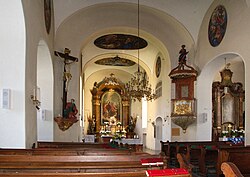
{"points": [[111, 108]]}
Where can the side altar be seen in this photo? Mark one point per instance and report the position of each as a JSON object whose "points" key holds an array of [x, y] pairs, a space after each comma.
{"points": [[110, 110]]}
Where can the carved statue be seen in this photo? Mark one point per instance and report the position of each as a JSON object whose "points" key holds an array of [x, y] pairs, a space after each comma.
{"points": [[183, 54]]}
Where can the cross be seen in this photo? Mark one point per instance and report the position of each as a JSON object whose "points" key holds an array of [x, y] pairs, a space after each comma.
{"points": [[68, 60]]}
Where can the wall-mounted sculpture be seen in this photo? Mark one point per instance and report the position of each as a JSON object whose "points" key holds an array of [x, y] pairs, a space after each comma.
{"points": [[183, 105], [69, 110]]}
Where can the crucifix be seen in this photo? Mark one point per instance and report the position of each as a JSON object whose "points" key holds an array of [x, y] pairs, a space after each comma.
{"points": [[68, 60]]}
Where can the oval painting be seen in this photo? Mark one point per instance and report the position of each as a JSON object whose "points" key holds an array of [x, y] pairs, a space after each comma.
{"points": [[217, 25], [120, 41], [158, 67]]}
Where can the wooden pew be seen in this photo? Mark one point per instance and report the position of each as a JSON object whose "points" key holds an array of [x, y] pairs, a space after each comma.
{"points": [[67, 151], [229, 169], [131, 147], [46, 174], [211, 156], [45, 144], [192, 150], [240, 156], [183, 161], [72, 159], [34, 163], [19, 163]]}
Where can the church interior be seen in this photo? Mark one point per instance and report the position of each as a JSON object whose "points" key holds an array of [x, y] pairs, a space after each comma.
{"points": [[169, 77]]}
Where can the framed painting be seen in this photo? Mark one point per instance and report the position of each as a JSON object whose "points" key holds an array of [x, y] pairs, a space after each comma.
{"points": [[47, 14], [158, 67], [217, 25], [111, 108]]}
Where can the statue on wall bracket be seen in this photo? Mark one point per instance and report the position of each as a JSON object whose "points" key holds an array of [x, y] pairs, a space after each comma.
{"points": [[183, 105], [69, 109]]}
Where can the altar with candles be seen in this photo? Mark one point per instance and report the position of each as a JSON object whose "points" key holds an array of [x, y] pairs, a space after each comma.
{"points": [[110, 111]]}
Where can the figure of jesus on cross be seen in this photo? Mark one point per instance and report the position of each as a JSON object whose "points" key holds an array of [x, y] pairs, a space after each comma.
{"points": [[68, 60]]}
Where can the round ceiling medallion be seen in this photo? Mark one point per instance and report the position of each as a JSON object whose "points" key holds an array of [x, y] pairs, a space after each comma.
{"points": [[217, 25]]}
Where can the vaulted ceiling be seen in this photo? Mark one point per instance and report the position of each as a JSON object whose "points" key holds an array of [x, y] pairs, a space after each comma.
{"points": [[164, 24]]}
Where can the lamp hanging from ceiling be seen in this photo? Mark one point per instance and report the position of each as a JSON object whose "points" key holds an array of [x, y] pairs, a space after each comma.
{"points": [[138, 87]]}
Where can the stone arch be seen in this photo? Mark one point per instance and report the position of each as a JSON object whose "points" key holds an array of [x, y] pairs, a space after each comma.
{"points": [[204, 92], [45, 85]]}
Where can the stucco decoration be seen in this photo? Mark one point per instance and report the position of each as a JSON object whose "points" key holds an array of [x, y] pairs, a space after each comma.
{"points": [[217, 25], [120, 41]]}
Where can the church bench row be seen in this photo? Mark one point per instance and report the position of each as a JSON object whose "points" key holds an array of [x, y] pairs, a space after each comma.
{"points": [[86, 164], [240, 156], [189, 148], [208, 156], [72, 152], [230, 169], [46, 174], [45, 144], [70, 145]]}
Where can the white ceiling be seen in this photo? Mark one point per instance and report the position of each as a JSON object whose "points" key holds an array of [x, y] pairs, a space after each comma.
{"points": [[164, 24]]}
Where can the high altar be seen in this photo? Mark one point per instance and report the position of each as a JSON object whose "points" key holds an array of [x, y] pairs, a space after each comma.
{"points": [[110, 107]]}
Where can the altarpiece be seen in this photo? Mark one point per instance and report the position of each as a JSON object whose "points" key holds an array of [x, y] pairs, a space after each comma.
{"points": [[110, 105]]}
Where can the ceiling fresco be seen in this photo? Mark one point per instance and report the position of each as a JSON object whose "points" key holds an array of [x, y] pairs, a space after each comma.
{"points": [[120, 41], [115, 61]]}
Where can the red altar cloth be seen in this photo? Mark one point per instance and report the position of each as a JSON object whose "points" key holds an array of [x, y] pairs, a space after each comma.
{"points": [[167, 172], [152, 161]]}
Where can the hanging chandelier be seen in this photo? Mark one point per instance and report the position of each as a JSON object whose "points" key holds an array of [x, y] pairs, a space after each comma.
{"points": [[138, 87]]}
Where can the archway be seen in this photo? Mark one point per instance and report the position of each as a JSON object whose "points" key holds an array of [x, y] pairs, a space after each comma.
{"points": [[204, 90], [45, 85]]}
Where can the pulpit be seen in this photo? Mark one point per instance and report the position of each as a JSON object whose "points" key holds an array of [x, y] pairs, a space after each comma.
{"points": [[183, 105]]}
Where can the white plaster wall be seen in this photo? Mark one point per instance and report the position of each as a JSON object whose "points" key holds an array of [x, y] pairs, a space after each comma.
{"points": [[235, 42], [45, 83], [160, 107], [12, 73], [35, 30]]}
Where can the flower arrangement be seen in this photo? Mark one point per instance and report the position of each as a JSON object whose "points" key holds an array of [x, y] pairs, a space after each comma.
{"points": [[234, 133], [241, 133], [224, 133]]}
